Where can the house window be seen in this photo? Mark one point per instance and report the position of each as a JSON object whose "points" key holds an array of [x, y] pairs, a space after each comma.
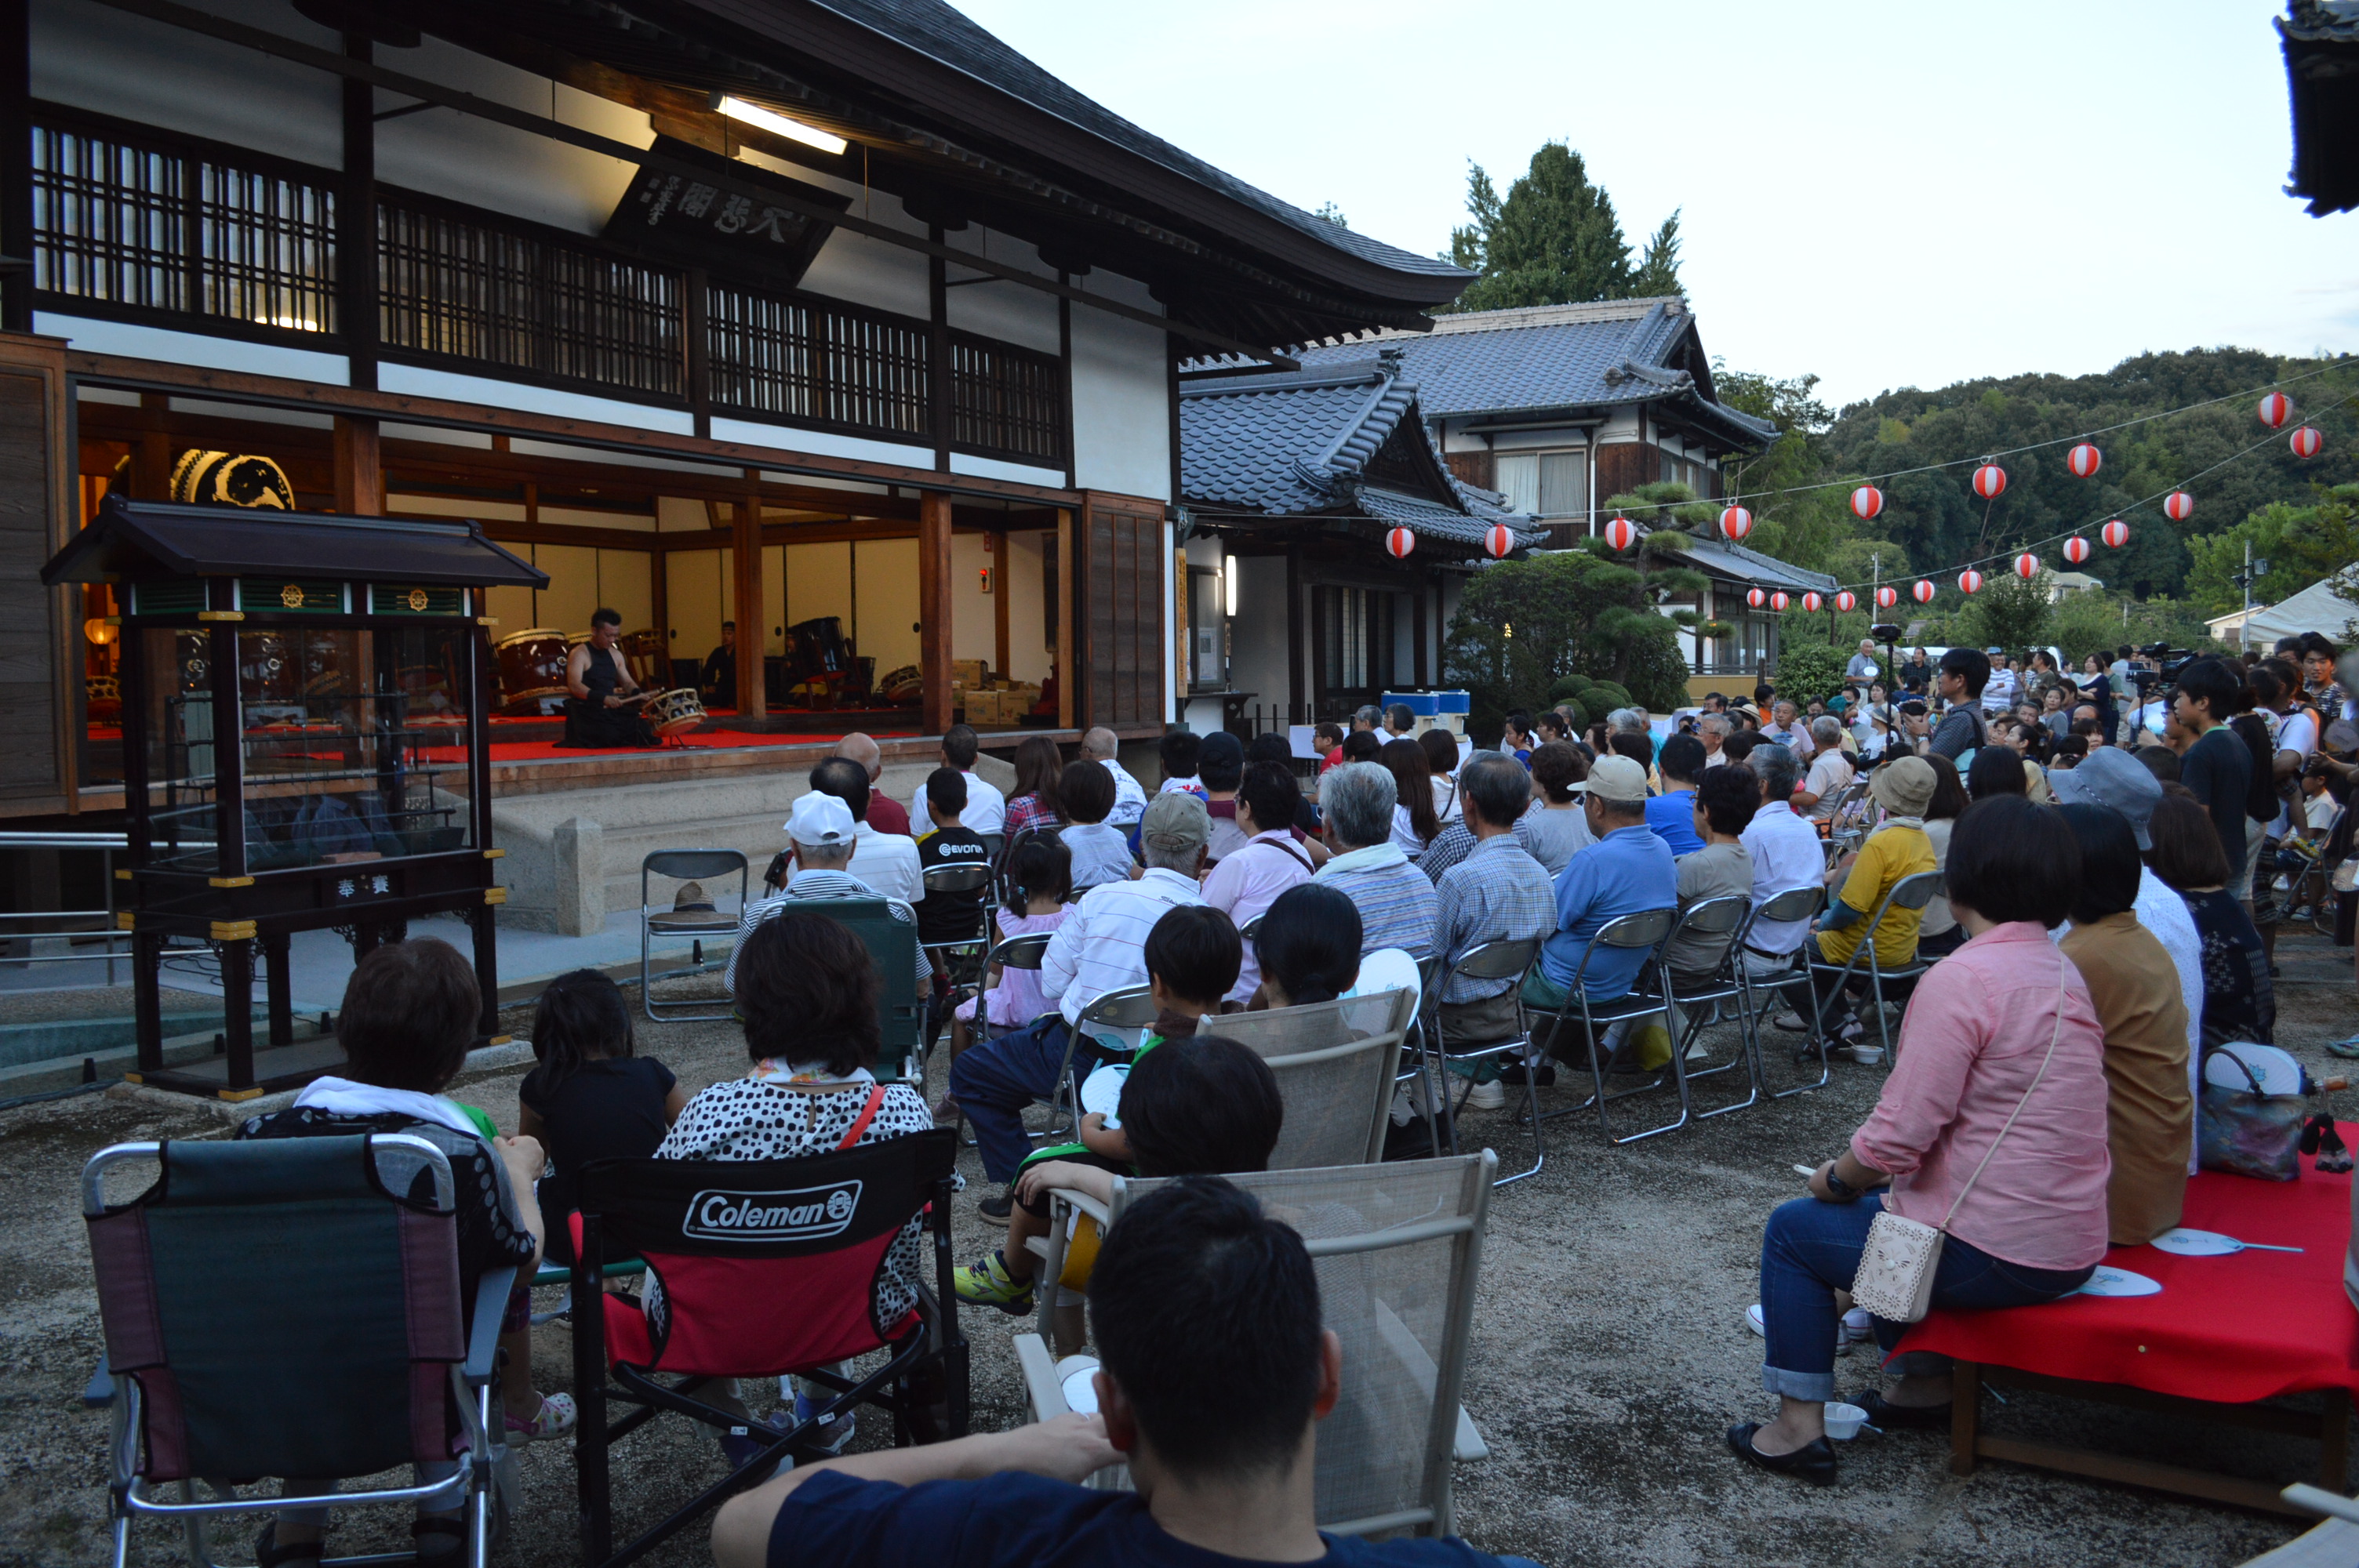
{"points": [[1357, 633], [1688, 473], [1550, 484]]}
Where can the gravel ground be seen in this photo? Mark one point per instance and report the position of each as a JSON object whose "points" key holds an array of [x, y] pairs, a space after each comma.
{"points": [[1608, 1355]]}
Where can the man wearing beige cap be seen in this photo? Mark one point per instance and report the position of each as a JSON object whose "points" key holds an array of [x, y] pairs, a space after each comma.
{"points": [[1897, 848], [1100, 946]]}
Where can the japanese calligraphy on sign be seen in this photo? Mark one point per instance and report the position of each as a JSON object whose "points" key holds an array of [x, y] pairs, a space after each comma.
{"points": [[701, 223]]}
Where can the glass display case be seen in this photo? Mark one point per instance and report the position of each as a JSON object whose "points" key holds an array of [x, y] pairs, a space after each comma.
{"points": [[300, 751]]}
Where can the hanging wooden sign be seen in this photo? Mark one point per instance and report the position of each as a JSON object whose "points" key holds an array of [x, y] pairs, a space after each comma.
{"points": [[696, 224]]}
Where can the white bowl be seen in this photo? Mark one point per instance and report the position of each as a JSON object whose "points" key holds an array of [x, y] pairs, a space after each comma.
{"points": [[1843, 1420]]}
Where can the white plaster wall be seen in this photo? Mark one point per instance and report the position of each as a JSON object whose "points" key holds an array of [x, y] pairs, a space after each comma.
{"points": [[993, 468], [1257, 648], [1622, 424], [1524, 441], [999, 308], [827, 443], [419, 382], [1122, 398], [95, 337], [1030, 651]]}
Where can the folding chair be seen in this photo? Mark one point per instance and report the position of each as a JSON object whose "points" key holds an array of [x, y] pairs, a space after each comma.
{"points": [[954, 957], [1730, 915], [1337, 1064], [1398, 1248], [1644, 932], [1794, 903], [1502, 959], [1010, 953], [272, 1309], [1909, 893], [1119, 1010], [892, 941], [686, 865], [768, 1267]]}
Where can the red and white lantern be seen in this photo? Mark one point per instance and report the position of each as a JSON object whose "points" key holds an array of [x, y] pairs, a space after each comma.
{"points": [[1755, 597], [2274, 410], [2084, 460], [1813, 602], [1399, 543], [1970, 582], [1780, 600], [1867, 502], [2306, 441], [2116, 534], [1922, 592], [1989, 480], [2076, 549], [2027, 565], [1846, 602], [1886, 597], [1736, 523], [1499, 538], [1621, 532], [2179, 506]]}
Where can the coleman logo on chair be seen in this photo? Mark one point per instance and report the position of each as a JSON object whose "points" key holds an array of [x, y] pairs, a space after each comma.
{"points": [[804, 1215]]}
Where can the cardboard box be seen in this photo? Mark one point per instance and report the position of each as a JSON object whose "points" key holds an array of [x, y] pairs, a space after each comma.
{"points": [[970, 673]]}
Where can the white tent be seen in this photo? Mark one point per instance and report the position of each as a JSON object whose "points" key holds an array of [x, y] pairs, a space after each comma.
{"points": [[2317, 608]]}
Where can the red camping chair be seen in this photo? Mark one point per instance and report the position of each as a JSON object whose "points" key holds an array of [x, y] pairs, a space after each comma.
{"points": [[768, 1267]]}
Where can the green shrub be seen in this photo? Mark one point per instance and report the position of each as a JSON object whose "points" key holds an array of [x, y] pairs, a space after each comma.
{"points": [[1569, 688], [1810, 668]]}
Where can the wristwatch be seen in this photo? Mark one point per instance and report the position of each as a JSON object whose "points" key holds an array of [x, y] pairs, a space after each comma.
{"points": [[1843, 1190]]}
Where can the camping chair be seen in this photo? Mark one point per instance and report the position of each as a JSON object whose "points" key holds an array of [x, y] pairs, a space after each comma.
{"points": [[1398, 1251], [339, 1349], [892, 940], [1697, 1002], [767, 1268], [1909, 893], [1500, 960], [686, 865], [1644, 932]]}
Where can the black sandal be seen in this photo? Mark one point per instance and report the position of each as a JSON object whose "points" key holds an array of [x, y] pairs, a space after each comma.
{"points": [[1813, 1462], [268, 1553]]}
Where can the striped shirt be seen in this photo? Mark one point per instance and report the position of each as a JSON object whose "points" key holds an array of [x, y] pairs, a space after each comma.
{"points": [[1497, 892], [1103, 943], [804, 886], [1396, 901]]}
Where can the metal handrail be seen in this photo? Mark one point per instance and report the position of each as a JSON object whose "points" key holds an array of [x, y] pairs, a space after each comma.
{"points": [[108, 935]]}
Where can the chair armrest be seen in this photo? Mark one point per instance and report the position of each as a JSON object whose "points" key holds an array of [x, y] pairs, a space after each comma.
{"points": [[492, 1293], [99, 1392], [1043, 1391], [1082, 1202]]}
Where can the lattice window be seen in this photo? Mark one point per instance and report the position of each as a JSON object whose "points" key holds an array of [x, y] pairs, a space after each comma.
{"points": [[1006, 399], [794, 359], [126, 223]]}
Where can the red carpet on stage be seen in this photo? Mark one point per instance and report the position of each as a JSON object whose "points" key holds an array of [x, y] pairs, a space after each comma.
{"points": [[2244, 1326]]}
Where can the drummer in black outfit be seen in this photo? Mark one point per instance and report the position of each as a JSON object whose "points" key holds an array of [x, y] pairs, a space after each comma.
{"points": [[717, 680], [602, 702]]}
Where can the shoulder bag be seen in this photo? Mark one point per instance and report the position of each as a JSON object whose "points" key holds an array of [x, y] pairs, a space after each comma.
{"points": [[1896, 1267]]}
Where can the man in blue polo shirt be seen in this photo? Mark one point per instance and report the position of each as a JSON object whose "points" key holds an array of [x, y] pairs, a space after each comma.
{"points": [[1671, 814], [1629, 869]]}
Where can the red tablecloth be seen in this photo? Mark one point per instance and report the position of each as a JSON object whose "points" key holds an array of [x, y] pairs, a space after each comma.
{"points": [[2232, 1329]]}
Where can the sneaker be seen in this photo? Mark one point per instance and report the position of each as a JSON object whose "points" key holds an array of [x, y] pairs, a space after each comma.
{"points": [[1487, 1096], [999, 1206], [988, 1283], [1790, 1021], [1757, 1320], [554, 1419], [1859, 1323], [1513, 1074], [831, 1434], [2347, 1048], [741, 1446]]}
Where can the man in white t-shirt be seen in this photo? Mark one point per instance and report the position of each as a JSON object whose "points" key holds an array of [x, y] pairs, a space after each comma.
{"points": [[1101, 746], [986, 808]]}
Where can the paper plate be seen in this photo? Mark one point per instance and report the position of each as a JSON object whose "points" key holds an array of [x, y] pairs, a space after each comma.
{"points": [[1081, 1393], [2109, 1280], [1387, 969], [1101, 1090], [2185, 1243]]}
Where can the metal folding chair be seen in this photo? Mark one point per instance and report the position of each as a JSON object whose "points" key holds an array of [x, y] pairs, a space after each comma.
{"points": [[1645, 932], [1337, 1064], [954, 958], [1794, 903], [1121, 1010], [1504, 959], [1909, 893], [1009, 953], [1698, 1003], [687, 865]]}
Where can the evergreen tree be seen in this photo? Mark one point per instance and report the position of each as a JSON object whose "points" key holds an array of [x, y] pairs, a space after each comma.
{"points": [[1555, 240]]}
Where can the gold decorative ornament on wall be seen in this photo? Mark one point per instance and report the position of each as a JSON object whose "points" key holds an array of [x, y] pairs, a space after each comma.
{"points": [[224, 478]]}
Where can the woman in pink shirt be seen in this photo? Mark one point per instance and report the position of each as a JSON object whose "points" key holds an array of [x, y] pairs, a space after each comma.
{"points": [[1249, 879], [1975, 1046]]}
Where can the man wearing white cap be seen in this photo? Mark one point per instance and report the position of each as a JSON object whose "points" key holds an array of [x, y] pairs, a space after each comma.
{"points": [[821, 836]]}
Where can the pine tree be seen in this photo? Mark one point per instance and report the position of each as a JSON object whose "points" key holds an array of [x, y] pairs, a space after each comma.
{"points": [[1554, 240]]}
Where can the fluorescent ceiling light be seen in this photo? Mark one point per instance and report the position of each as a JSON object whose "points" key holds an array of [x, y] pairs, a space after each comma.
{"points": [[778, 124]]}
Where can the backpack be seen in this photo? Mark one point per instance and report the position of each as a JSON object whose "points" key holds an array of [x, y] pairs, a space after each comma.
{"points": [[2261, 801]]}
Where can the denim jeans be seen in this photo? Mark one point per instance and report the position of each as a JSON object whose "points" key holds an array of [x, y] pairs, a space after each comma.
{"points": [[1811, 1249], [994, 1080]]}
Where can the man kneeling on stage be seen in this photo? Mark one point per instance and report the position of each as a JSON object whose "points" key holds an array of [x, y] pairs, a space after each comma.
{"points": [[601, 703]]}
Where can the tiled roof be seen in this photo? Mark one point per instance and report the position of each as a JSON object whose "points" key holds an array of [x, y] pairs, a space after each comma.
{"points": [[1298, 443], [943, 33], [1719, 558]]}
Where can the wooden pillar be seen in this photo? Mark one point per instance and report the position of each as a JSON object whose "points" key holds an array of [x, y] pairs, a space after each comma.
{"points": [[1068, 678], [1417, 637], [16, 162], [934, 609], [746, 550], [151, 459], [660, 596], [999, 603], [356, 279], [360, 468], [938, 382], [1295, 652]]}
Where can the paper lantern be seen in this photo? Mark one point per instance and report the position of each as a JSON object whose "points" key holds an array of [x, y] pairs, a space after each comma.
{"points": [[1866, 500], [2274, 410], [1886, 597], [2027, 565], [1499, 539], [1970, 582], [1813, 602], [1846, 602], [2305, 442], [2179, 506], [2115, 533], [1399, 543], [1989, 480], [1923, 592], [2083, 460], [2076, 549], [1756, 597], [1621, 532], [1735, 521], [1778, 601]]}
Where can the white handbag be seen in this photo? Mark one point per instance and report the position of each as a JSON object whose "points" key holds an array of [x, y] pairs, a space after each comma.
{"points": [[1895, 1281]]}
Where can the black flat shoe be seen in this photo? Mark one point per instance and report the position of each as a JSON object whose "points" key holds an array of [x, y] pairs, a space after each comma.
{"points": [[999, 1204], [1814, 1462], [1883, 1414]]}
